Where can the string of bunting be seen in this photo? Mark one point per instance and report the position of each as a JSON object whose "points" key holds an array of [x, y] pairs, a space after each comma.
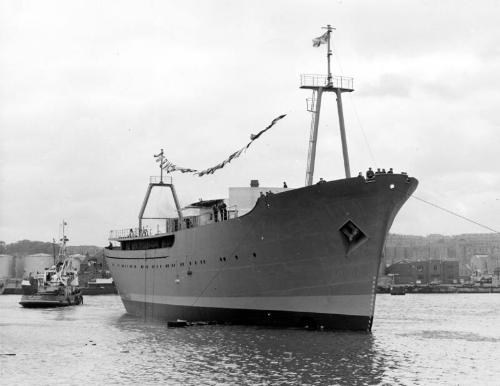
{"points": [[169, 167]]}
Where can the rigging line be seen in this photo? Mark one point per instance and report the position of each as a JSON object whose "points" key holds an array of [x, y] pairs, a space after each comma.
{"points": [[353, 104], [372, 156], [451, 212]]}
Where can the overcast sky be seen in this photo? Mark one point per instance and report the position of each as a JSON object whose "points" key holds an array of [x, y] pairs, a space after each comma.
{"points": [[90, 90]]}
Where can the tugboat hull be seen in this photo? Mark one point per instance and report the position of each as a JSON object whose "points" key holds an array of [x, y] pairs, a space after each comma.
{"points": [[46, 301]]}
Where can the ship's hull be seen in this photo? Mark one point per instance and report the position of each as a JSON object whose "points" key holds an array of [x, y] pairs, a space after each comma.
{"points": [[304, 257]]}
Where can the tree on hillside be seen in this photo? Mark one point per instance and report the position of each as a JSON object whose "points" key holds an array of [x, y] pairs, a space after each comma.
{"points": [[28, 247]]}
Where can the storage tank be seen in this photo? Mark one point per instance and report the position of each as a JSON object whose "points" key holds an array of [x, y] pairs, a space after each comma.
{"points": [[19, 266], [37, 263], [7, 266]]}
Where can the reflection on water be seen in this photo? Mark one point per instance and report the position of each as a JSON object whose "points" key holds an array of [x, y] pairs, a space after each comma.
{"points": [[417, 339], [236, 355]]}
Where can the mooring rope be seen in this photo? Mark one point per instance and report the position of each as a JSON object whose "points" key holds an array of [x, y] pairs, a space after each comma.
{"points": [[451, 212]]}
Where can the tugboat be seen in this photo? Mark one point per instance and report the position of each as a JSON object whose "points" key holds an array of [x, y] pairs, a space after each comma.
{"points": [[56, 286]]}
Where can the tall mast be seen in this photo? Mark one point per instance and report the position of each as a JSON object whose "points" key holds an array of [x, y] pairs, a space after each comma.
{"points": [[329, 53], [319, 84], [64, 239], [161, 159]]}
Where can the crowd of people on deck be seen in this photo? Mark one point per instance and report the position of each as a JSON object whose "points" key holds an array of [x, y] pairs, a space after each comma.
{"points": [[138, 232], [370, 174], [220, 212]]}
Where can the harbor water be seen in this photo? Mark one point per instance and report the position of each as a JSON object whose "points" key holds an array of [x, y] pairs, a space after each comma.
{"points": [[417, 339]]}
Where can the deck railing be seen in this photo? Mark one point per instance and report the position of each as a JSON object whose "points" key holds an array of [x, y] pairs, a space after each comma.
{"points": [[167, 179], [318, 80], [172, 225], [130, 233]]}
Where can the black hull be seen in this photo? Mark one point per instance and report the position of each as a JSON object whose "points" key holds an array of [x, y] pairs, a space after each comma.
{"points": [[271, 318], [30, 304]]}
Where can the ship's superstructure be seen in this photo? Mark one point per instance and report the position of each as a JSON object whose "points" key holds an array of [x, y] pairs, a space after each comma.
{"points": [[276, 256]]}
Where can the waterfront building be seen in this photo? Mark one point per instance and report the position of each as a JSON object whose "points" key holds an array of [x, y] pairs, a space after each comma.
{"points": [[464, 248], [424, 272]]}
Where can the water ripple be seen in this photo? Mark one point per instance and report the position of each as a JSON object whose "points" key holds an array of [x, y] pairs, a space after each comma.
{"points": [[416, 340]]}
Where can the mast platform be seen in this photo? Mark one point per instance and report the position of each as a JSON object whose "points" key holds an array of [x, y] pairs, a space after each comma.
{"points": [[315, 81]]}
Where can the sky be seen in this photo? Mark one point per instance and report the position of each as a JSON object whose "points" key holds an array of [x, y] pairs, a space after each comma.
{"points": [[91, 90]]}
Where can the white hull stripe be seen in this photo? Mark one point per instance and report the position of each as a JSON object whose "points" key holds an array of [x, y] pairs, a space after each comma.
{"points": [[359, 305]]}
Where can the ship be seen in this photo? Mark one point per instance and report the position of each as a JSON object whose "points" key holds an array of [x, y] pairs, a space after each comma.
{"points": [[55, 286], [289, 257], [99, 286]]}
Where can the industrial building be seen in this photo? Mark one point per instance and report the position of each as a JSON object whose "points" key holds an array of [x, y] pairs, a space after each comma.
{"points": [[424, 272]]}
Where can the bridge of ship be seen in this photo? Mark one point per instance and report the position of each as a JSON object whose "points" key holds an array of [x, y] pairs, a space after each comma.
{"points": [[173, 224], [197, 214]]}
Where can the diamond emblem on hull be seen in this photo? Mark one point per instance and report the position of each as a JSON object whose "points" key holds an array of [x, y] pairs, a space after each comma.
{"points": [[352, 236]]}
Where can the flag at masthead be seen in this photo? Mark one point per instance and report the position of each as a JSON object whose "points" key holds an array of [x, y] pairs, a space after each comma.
{"points": [[323, 39]]}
